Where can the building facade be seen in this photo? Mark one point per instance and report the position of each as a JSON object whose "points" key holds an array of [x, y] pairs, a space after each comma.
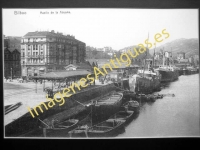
{"points": [[180, 55], [12, 65], [46, 51]]}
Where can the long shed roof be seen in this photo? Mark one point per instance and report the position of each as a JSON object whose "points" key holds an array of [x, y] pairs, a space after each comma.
{"points": [[63, 74]]}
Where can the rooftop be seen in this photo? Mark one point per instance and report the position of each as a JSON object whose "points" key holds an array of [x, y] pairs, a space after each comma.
{"points": [[62, 74], [12, 49]]}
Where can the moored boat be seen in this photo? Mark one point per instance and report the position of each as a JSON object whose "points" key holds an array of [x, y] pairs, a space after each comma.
{"points": [[11, 107], [106, 128], [60, 129], [132, 105], [180, 71], [197, 69], [106, 106], [168, 73], [145, 81], [192, 69], [125, 114], [186, 71]]}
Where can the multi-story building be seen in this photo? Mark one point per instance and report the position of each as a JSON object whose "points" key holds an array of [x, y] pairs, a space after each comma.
{"points": [[181, 55], [196, 60], [107, 49], [12, 66], [46, 51], [191, 60]]}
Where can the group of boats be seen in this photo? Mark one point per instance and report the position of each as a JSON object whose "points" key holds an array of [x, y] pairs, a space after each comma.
{"points": [[149, 79], [95, 123], [188, 70]]}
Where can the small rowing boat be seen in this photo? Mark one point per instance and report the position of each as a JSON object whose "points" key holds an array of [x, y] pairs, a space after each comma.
{"points": [[123, 115], [61, 129], [131, 105], [106, 128], [11, 107]]}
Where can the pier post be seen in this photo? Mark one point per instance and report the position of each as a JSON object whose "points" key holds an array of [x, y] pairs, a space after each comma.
{"points": [[36, 86], [44, 85], [44, 132], [86, 133]]}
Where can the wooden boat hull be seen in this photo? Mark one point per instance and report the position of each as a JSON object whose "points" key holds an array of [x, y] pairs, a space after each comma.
{"points": [[100, 131], [60, 130], [12, 107], [105, 108], [108, 128], [124, 114], [132, 105]]}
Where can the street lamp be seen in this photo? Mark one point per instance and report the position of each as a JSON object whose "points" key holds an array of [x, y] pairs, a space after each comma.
{"points": [[11, 74]]}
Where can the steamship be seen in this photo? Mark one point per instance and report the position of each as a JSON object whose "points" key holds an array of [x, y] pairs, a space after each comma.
{"points": [[168, 71], [146, 80]]}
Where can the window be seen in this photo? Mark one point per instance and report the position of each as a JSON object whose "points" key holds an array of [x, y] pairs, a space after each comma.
{"points": [[41, 53], [29, 47], [33, 53], [36, 53], [36, 46]]}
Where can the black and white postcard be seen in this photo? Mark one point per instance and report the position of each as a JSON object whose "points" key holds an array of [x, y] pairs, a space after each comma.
{"points": [[80, 73]]}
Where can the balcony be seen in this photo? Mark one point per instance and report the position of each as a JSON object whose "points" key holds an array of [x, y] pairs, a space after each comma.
{"points": [[35, 56], [34, 63]]}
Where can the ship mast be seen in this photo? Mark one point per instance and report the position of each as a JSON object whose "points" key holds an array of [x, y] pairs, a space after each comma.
{"points": [[163, 57], [153, 57], [145, 55], [171, 57]]}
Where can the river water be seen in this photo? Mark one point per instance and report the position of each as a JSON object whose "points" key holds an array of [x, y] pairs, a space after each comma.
{"points": [[171, 116]]}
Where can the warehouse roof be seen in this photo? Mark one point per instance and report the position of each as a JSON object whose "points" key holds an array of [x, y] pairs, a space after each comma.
{"points": [[63, 74]]}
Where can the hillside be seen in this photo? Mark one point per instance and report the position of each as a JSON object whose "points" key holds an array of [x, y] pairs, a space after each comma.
{"points": [[141, 56], [189, 46]]}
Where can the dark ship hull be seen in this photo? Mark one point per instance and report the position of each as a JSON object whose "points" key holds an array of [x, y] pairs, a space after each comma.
{"points": [[186, 72], [146, 85], [168, 75], [106, 106]]}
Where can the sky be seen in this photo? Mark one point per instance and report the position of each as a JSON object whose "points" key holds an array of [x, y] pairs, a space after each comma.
{"points": [[116, 28]]}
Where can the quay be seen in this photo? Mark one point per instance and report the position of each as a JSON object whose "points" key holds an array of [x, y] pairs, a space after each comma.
{"points": [[20, 122]]}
